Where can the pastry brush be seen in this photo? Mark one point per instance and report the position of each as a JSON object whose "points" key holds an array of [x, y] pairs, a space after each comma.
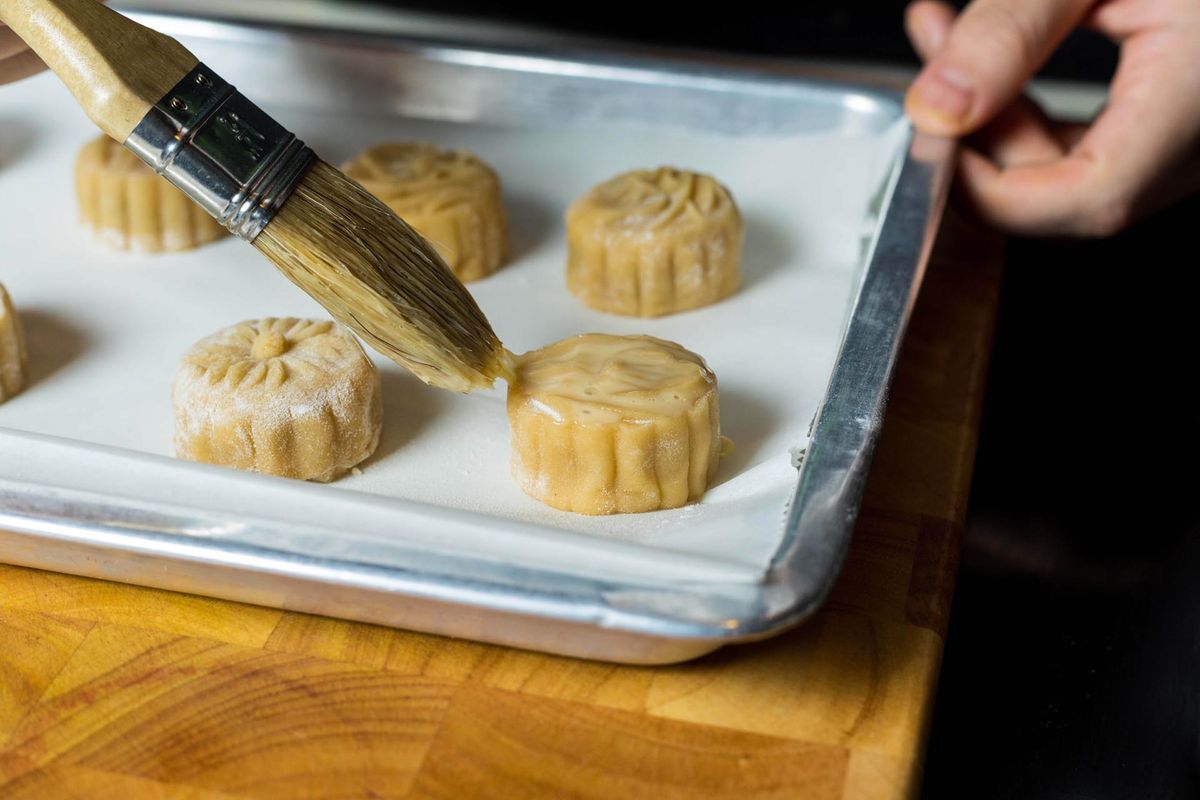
{"points": [[323, 231]]}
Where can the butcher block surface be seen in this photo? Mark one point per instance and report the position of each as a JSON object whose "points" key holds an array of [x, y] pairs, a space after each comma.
{"points": [[112, 691]]}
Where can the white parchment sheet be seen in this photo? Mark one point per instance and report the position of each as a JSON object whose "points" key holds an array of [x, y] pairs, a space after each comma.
{"points": [[106, 330]]}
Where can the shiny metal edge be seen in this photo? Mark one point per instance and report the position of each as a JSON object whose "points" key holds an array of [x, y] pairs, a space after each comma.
{"points": [[222, 151], [539, 609], [570, 623], [838, 458]]}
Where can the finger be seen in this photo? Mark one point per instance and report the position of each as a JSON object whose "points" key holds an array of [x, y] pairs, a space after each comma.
{"points": [[1043, 199], [991, 51], [1020, 135], [1120, 20], [1150, 125], [20, 66], [1133, 160], [1060, 198], [928, 23]]}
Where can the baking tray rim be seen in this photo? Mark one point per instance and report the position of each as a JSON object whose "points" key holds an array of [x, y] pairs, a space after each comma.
{"points": [[820, 517]]}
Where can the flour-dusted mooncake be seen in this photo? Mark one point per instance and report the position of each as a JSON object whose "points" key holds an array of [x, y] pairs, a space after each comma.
{"points": [[450, 197], [611, 424], [14, 359], [653, 242], [130, 208], [291, 397]]}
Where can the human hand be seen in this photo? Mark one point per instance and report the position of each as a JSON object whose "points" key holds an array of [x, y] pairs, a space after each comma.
{"points": [[16, 60], [1032, 175]]}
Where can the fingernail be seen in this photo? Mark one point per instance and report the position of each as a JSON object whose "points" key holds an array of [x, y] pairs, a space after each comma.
{"points": [[943, 93]]}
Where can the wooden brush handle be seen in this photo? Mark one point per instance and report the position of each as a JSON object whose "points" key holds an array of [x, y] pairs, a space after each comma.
{"points": [[116, 68]]}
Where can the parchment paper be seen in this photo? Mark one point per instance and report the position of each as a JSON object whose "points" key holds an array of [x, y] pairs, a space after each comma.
{"points": [[106, 330]]}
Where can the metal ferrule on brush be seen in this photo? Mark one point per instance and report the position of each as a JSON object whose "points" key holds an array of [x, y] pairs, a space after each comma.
{"points": [[222, 151]]}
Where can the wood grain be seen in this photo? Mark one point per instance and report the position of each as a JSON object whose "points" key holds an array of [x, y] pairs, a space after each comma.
{"points": [[115, 691], [115, 68], [35, 649], [100, 601], [63, 782], [502, 744], [207, 714]]}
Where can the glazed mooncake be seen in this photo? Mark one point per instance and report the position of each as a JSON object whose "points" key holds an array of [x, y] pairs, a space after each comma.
{"points": [[611, 424]]}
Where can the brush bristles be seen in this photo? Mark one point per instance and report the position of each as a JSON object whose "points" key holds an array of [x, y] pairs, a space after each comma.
{"points": [[373, 272]]}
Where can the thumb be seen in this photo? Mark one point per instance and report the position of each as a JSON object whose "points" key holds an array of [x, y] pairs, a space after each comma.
{"points": [[992, 50]]}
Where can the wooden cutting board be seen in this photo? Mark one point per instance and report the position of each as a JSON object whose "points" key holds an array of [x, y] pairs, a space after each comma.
{"points": [[111, 691]]}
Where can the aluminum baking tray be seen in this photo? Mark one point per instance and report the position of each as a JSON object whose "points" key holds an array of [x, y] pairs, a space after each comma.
{"points": [[217, 533]]}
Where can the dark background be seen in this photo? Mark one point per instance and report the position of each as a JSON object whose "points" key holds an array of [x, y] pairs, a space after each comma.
{"points": [[847, 29], [1072, 666]]}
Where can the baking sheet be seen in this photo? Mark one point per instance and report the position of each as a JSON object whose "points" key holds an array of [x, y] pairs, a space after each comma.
{"points": [[106, 330]]}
